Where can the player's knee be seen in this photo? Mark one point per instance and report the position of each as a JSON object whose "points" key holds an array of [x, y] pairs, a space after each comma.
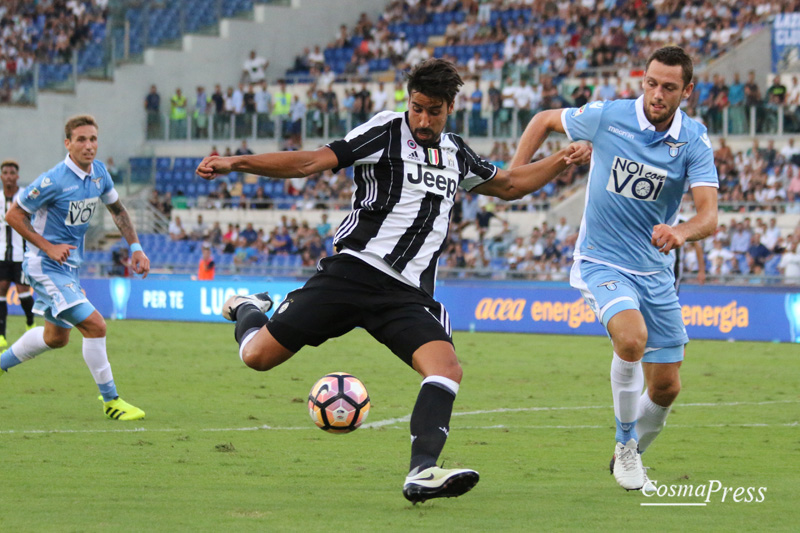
{"points": [[56, 341], [452, 370], [99, 329], [630, 345], [257, 360], [665, 392]]}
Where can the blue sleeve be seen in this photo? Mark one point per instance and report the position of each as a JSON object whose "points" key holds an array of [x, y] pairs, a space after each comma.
{"points": [[582, 123], [107, 183], [38, 194], [700, 169]]}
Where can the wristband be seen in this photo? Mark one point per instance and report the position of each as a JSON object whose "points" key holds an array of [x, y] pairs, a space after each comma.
{"points": [[136, 247]]}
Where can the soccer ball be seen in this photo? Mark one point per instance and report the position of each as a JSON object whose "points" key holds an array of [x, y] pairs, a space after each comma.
{"points": [[338, 403]]}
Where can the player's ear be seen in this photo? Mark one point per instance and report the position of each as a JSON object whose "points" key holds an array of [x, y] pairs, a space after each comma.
{"points": [[687, 91]]}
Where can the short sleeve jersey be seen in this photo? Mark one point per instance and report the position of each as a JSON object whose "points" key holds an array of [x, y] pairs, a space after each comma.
{"points": [[12, 245], [636, 180], [62, 201], [404, 194]]}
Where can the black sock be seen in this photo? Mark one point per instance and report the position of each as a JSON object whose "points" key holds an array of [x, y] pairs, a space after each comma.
{"points": [[3, 316], [248, 317], [430, 424], [26, 303]]}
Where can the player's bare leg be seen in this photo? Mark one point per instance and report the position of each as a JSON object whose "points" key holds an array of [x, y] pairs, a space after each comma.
{"points": [[629, 337], [258, 349], [663, 386], [436, 361]]}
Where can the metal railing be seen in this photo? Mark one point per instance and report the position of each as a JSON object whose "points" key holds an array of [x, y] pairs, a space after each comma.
{"points": [[314, 125], [103, 269], [503, 124]]}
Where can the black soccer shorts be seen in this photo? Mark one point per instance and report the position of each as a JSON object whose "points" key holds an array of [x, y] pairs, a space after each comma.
{"points": [[12, 271], [346, 293]]}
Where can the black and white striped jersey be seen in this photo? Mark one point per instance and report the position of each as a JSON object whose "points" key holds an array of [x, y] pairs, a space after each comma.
{"points": [[12, 245], [403, 196]]}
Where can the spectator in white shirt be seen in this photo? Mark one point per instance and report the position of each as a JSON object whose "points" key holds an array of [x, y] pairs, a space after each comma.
{"points": [[563, 229], [380, 99], [789, 264], [771, 235], [255, 68], [721, 259], [417, 55], [475, 64]]}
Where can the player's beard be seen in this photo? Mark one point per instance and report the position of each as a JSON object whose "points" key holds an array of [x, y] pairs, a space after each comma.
{"points": [[665, 117], [431, 140]]}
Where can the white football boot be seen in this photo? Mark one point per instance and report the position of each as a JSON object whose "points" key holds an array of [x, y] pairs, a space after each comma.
{"points": [[261, 300], [628, 469], [435, 482]]}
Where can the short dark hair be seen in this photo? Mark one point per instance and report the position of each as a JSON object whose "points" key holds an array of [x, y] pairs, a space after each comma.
{"points": [[77, 122], [9, 163], [435, 78], [672, 56]]}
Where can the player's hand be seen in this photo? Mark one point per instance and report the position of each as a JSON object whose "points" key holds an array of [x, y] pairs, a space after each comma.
{"points": [[701, 277], [59, 252], [140, 263], [665, 238], [213, 166], [578, 154]]}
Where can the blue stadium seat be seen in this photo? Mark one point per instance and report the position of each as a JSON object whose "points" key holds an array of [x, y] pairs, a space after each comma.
{"points": [[204, 187], [163, 163]]}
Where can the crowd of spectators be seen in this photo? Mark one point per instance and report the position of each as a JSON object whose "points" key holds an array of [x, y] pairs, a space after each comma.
{"points": [[559, 40], [751, 247], [759, 178], [743, 246], [250, 247], [47, 31]]}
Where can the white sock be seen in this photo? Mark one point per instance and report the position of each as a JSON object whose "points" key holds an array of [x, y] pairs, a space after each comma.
{"points": [[94, 353], [627, 380], [650, 420], [30, 344]]}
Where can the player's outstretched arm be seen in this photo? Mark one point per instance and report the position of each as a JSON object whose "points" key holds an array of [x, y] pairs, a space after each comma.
{"points": [[139, 261], [537, 130], [700, 226], [273, 165], [518, 182], [20, 220]]}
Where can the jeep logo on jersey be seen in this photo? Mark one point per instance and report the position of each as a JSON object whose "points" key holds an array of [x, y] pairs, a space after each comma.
{"points": [[435, 183], [636, 180], [80, 212]]}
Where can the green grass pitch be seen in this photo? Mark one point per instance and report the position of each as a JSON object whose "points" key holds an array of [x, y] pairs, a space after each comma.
{"points": [[225, 448]]}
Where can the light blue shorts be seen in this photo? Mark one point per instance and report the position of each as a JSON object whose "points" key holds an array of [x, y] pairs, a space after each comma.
{"points": [[609, 291], [59, 296]]}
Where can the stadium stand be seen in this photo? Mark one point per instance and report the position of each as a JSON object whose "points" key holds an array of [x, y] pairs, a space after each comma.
{"points": [[517, 57]]}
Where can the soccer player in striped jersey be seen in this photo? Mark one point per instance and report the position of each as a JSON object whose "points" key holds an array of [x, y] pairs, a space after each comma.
{"points": [[53, 214], [645, 152], [12, 252], [407, 172]]}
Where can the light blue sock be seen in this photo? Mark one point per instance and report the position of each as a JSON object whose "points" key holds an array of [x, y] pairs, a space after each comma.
{"points": [[8, 359], [108, 390], [626, 432]]}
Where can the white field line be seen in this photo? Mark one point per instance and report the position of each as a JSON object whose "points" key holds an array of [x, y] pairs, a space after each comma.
{"points": [[400, 420]]}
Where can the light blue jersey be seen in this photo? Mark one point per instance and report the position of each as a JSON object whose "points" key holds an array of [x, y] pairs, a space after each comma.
{"points": [[636, 181], [62, 202]]}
